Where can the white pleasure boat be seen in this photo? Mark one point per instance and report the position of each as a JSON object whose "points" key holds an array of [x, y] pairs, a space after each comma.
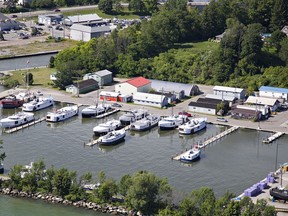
{"points": [[95, 110], [192, 126], [191, 155], [17, 119], [133, 116], [62, 114], [38, 104], [106, 127], [113, 137], [172, 122], [146, 123]]}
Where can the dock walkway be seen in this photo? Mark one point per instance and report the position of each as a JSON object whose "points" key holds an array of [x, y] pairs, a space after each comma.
{"points": [[15, 129], [107, 113], [273, 137], [209, 141]]}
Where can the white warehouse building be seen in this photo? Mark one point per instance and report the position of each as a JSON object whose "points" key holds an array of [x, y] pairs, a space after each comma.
{"points": [[229, 91], [273, 92], [150, 99]]}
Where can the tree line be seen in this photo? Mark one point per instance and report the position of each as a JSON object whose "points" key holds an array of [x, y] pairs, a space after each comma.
{"points": [[150, 48], [143, 191]]}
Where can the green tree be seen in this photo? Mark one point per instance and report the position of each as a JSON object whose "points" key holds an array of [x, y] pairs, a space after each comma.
{"points": [[118, 6], [276, 38], [105, 5], [136, 5], [279, 15], [106, 190], [150, 6], [101, 177], [51, 62], [124, 184], [147, 192], [2, 154], [284, 50], [62, 181], [16, 177]]}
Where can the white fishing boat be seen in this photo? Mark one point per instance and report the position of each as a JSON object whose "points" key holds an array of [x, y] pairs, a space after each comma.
{"points": [[172, 122], [146, 123], [191, 155], [192, 126], [17, 119], [106, 127], [38, 104], [133, 116], [62, 114], [112, 137], [95, 110]]}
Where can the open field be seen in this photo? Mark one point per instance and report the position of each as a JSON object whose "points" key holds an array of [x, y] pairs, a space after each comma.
{"points": [[12, 49], [41, 76]]}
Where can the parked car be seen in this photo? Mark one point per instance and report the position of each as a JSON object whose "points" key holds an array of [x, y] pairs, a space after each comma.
{"points": [[57, 10], [14, 16], [222, 119], [185, 113], [116, 105]]}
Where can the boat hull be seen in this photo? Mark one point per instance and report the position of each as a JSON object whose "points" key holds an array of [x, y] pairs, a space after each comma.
{"points": [[192, 160], [279, 194], [89, 115], [188, 131], [11, 104], [37, 105], [11, 122], [113, 142], [63, 114]]}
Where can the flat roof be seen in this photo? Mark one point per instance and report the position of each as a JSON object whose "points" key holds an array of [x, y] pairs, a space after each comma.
{"points": [[273, 89], [220, 97], [168, 86], [102, 73], [228, 89], [84, 18]]}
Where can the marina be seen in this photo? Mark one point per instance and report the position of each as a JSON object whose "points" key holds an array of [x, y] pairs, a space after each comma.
{"points": [[107, 113], [15, 129]]}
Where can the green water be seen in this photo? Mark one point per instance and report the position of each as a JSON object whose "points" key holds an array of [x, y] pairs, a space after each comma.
{"points": [[10, 206]]}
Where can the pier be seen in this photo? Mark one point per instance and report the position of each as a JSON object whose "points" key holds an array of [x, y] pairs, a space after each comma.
{"points": [[209, 141], [15, 129], [272, 137], [107, 113]]}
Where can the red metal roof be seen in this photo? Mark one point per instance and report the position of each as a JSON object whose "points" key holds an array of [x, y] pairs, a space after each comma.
{"points": [[138, 81]]}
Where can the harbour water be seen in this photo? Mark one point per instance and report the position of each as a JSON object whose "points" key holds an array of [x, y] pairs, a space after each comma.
{"points": [[234, 163]]}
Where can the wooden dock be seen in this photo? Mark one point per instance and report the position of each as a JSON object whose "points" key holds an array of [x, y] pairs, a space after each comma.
{"points": [[15, 129], [107, 113], [96, 141], [209, 141], [272, 137]]}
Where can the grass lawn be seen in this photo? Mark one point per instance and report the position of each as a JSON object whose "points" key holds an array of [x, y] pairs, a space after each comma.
{"points": [[41, 76], [198, 47], [125, 14]]}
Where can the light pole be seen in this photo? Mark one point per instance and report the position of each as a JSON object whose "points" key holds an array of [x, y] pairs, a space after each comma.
{"points": [[27, 79]]}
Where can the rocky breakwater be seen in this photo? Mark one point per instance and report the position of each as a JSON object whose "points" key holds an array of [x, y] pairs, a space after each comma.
{"points": [[106, 208]]}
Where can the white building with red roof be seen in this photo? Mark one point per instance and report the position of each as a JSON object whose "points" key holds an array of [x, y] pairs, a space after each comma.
{"points": [[134, 85]]}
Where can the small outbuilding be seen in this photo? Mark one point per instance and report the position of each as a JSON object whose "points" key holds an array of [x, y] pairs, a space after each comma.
{"points": [[134, 85], [207, 106], [272, 103], [273, 92], [103, 77], [114, 96], [148, 99], [82, 87], [238, 93], [50, 19]]}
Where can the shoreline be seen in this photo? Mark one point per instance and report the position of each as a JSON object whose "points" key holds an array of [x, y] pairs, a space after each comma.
{"points": [[29, 55]]}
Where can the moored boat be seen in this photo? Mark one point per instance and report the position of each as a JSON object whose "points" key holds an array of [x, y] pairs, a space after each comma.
{"points": [[279, 194], [146, 123], [11, 102], [133, 116], [38, 104], [95, 110], [106, 127], [192, 126], [112, 137], [62, 114], [191, 155], [172, 122], [17, 119]]}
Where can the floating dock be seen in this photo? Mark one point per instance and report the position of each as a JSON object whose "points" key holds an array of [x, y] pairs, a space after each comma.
{"points": [[273, 137], [209, 141], [96, 141], [107, 113], [15, 129]]}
